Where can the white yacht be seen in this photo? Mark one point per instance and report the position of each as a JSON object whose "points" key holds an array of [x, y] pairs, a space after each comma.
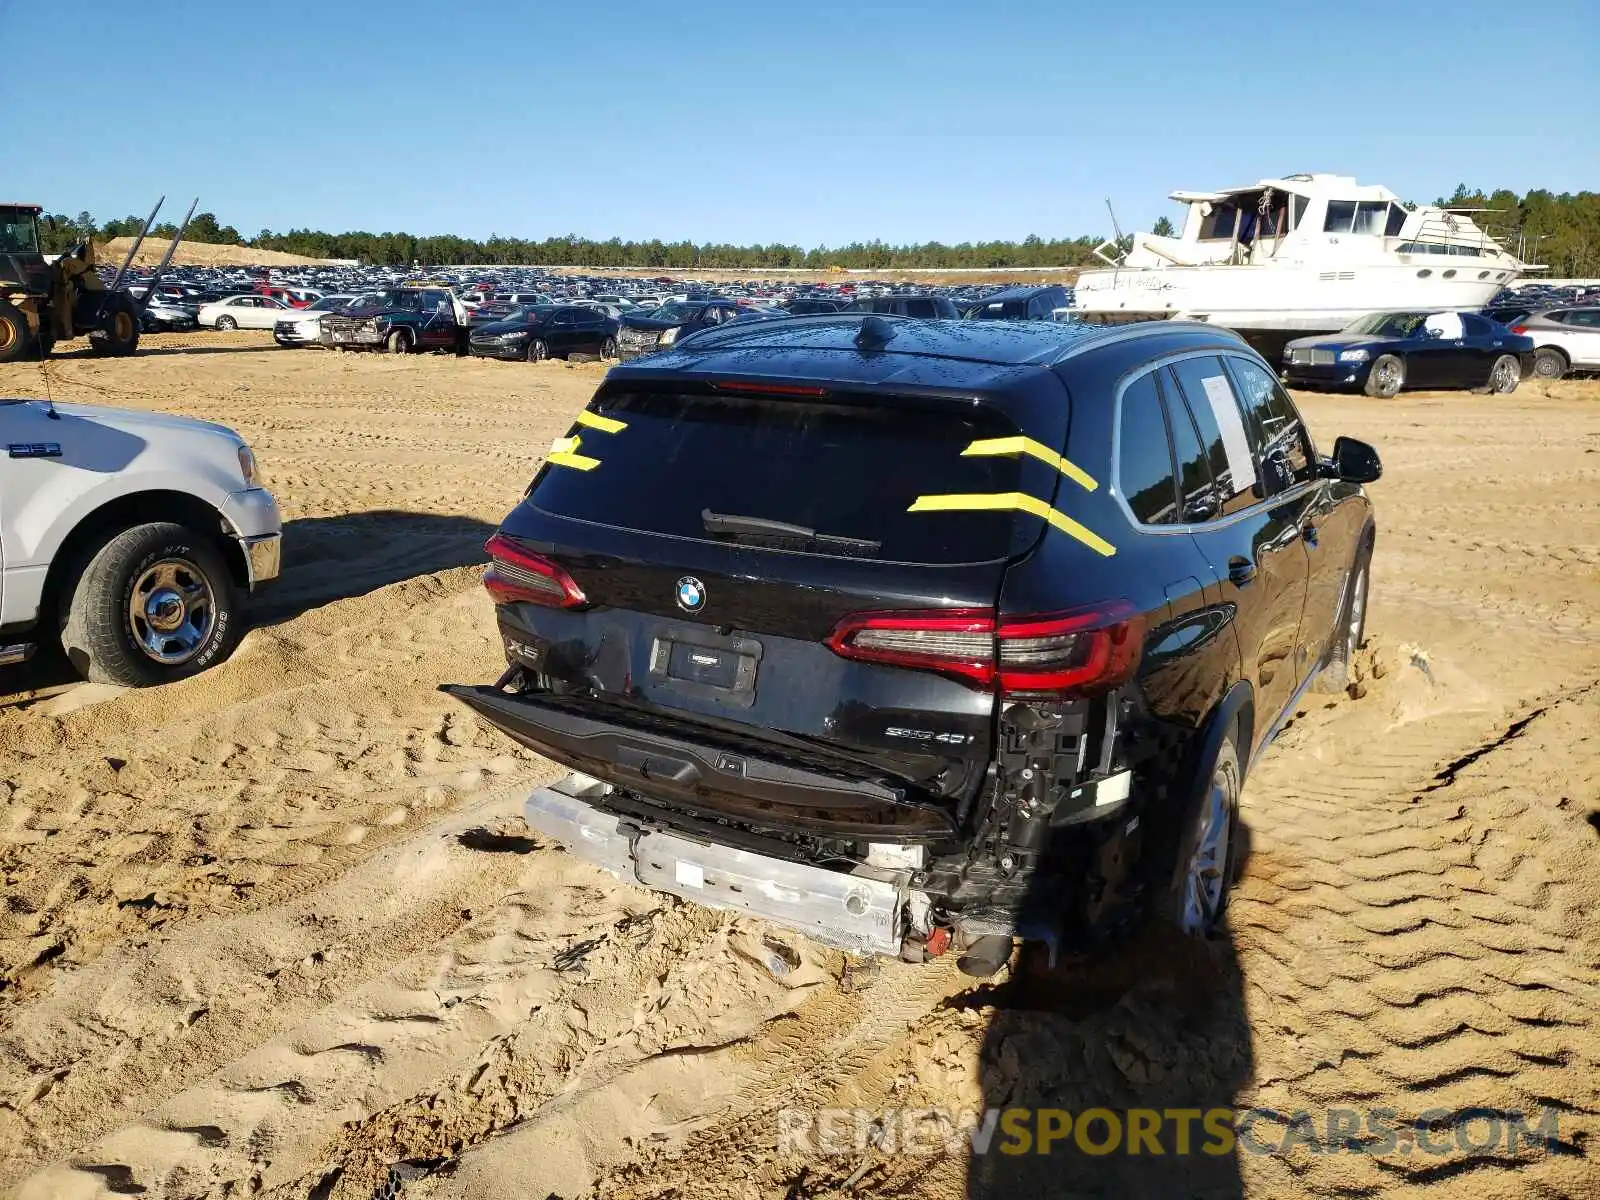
{"points": [[1297, 255]]}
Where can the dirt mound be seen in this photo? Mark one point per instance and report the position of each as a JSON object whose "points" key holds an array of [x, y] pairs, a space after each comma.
{"points": [[199, 254]]}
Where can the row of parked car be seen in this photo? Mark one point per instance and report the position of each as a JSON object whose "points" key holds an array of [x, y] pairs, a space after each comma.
{"points": [[1537, 331]]}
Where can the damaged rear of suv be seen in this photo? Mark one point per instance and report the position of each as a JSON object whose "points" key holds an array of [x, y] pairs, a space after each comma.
{"points": [[850, 623]]}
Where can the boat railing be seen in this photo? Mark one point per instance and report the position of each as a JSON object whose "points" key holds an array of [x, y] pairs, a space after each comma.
{"points": [[1100, 253], [1447, 234]]}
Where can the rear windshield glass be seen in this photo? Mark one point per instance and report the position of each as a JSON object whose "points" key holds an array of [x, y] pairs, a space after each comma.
{"points": [[845, 470], [1001, 310]]}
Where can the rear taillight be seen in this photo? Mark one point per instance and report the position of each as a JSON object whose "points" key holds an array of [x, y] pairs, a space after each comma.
{"points": [[1090, 650], [1519, 330], [519, 576]]}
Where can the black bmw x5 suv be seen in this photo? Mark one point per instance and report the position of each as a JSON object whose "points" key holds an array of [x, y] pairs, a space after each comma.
{"points": [[926, 635]]}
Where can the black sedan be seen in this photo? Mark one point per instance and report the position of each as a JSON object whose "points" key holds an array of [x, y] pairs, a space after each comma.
{"points": [[1382, 353], [647, 333], [537, 331]]}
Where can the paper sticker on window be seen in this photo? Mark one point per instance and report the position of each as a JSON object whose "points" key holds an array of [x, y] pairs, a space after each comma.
{"points": [[1231, 424]]}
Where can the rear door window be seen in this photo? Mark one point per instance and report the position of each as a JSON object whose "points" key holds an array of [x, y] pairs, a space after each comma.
{"points": [[1217, 416], [1144, 459], [924, 309], [1196, 487], [846, 466]]}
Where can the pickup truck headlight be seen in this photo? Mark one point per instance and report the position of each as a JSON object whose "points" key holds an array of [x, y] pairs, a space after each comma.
{"points": [[669, 336], [247, 466], [1353, 356]]}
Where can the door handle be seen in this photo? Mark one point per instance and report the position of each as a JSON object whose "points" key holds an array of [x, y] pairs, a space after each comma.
{"points": [[1241, 570]]}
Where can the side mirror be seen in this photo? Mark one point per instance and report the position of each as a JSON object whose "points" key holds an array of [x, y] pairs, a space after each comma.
{"points": [[1355, 462]]}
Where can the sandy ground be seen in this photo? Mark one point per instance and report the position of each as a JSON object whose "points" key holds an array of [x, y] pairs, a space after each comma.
{"points": [[279, 930]]}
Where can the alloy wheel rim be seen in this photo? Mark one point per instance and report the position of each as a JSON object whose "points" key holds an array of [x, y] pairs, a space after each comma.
{"points": [[171, 611], [1388, 377], [1546, 366], [1502, 376], [1205, 882]]}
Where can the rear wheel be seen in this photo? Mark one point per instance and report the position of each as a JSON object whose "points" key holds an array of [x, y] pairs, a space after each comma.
{"points": [[1504, 375], [1196, 892], [155, 604], [399, 342], [15, 339], [226, 323], [1387, 376], [118, 334], [1549, 363]]}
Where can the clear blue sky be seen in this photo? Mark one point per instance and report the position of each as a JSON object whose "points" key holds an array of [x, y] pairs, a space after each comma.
{"points": [[813, 122]]}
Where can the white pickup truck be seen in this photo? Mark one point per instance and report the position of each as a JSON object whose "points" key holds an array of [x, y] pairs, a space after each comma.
{"points": [[130, 537]]}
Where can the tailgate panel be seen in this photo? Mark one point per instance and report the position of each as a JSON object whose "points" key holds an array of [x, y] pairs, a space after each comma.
{"points": [[707, 773]]}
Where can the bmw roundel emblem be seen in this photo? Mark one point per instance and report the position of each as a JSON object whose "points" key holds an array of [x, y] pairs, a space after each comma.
{"points": [[691, 594]]}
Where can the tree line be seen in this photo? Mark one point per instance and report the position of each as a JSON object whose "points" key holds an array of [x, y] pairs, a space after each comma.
{"points": [[1562, 231]]}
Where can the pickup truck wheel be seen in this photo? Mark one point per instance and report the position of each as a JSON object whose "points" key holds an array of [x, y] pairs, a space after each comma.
{"points": [[1350, 630], [1387, 376], [226, 323], [15, 340], [1549, 363], [1196, 893], [154, 604], [537, 350], [398, 342]]}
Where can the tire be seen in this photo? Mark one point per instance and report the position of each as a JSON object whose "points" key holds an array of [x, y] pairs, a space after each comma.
{"points": [[118, 335], [608, 349], [226, 323], [537, 350], [154, 604], [1504, 375], [1386, 376], [16, 340], [1194, 897], [1351, 629], [398, 342], [1550, 363]]}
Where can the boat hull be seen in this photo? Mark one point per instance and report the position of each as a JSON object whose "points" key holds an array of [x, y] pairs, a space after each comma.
{"points": [[1285, 299]]}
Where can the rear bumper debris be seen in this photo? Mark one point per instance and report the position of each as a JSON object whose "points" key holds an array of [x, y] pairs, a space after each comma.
{"points": [[865, 911]]}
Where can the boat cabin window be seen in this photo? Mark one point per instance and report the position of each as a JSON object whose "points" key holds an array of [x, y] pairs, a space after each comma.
{"points": [[1297, 211], [1217, 225], [1249, 215], [1372, 217]]}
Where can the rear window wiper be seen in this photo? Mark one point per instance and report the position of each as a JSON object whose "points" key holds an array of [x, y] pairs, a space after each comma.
{"points": [[732, 525]]}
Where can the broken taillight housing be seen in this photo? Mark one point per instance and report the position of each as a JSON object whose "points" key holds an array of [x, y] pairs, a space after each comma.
{"points": [[517, 575], [1070, 653]]}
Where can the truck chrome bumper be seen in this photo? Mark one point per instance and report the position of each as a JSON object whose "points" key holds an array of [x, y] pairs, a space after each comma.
{"points": [[853, 911], [263, 556]]}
